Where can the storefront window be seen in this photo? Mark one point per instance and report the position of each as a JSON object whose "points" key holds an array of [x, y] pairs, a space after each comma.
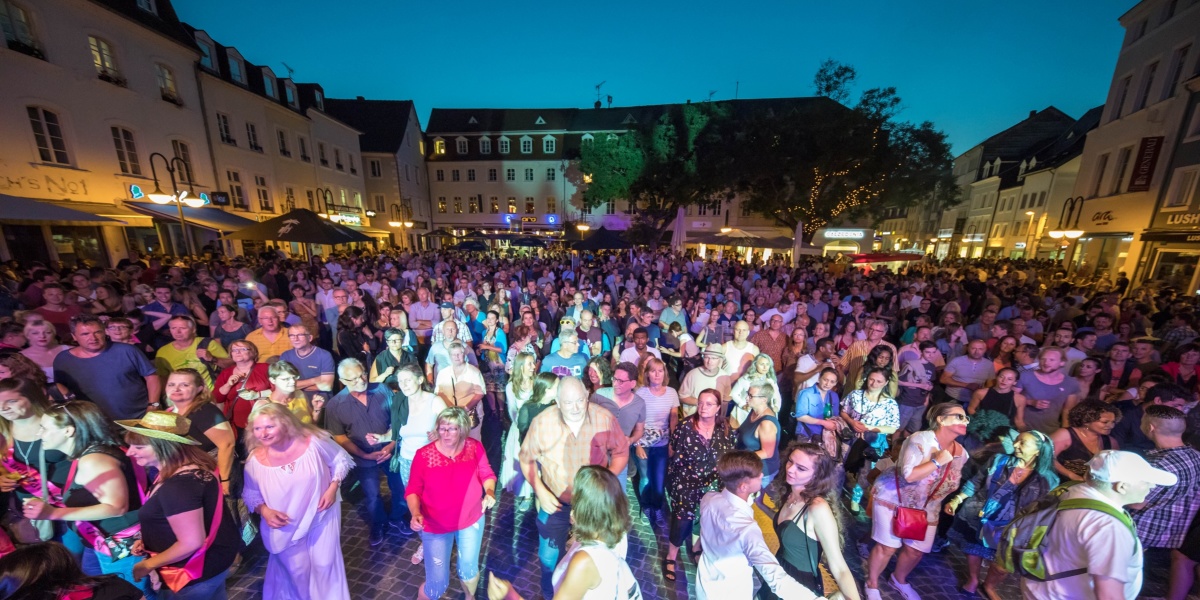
{"points": [[833, 248], [1175, 268], [143, 239], [76, 245], [1100, 256]]}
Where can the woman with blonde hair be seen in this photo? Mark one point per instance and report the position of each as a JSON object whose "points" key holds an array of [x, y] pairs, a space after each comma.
{"points": [[650, 451], [239, 386], [208, 427], [518, 391], [43, 345], [292, 477]]}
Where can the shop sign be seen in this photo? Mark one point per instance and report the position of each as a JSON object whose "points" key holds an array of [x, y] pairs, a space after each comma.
{"points": [[552, 219], [1183, 219], [1165, 236], [1101, 218], [350, 219], [58, 186], [1143, 167], [529, 219], [844, 234]]}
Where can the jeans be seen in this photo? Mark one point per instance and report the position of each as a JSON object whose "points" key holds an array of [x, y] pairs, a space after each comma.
{"points": [[652, 477], [211, 589], [553, 531], [680, 533], [368, 476], [96, 564], [437, 556]]}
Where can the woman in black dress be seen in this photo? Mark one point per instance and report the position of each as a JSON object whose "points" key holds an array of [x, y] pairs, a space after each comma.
{"points": [[1090, 427], [1002, 398], [696, 444]]}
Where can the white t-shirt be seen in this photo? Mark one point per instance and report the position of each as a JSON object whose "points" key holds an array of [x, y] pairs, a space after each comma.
{"points": [[631, 354], [1092, 539], [805, 364], [423, 410]]}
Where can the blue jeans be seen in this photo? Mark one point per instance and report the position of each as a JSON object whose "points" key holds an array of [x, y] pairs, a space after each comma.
{"points": [[368, 476], [96, 564], [553, 531], [211, 589], [652, 476], [437, 556]]}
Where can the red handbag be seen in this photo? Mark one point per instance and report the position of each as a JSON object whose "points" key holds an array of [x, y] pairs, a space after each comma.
{"points": [[911, 523]]}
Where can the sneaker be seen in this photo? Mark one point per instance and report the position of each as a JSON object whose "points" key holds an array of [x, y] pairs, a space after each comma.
{"points": [[854, 507], [872, 594], [939, 544], [400, 527], [376, 537], [419, 555], [905, 589]]}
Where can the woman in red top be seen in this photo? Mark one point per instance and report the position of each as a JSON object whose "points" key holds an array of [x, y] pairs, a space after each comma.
{"points": [[450, 486], [238, 387]]}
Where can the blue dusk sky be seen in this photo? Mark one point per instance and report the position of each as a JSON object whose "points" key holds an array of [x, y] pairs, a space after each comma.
{"points": [[973, 68]]}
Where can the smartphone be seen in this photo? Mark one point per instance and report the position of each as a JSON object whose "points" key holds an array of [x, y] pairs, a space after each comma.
{"points": [[249, 286]]}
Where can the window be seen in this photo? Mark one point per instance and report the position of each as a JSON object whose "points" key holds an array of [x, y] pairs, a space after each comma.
{"points": [[353, 168], [1122, 165], [550, 174], [462, 145], [264, 194], [312, 200], [104, 60], [237, 195], [1178, 61], [147, 5], [475, 204], [587, 208], [610, 208], [510, 174], [530, 208], [1121, 95], [1024, 201], [166, 82], [269, 85], [127, 156], [454, 175], [746, 208], [1183, 188], [439, 146], [206, 59], [47, 132], [235, 69], [504, 148], [485, 146], [1169, 9], [551, 205], [440, 175], [526, 145], [252, 137], [1042, 199], [512, 205], [281, 137], [458, 205], [379, 202], [442, 204], [319, 99], [528, 174], [225, 129], [491, 174], [548, 145], [321, 154], [337, 159], [1143, 97], [17, 30], [302, 143], [470, 174], [376, 168], [184, 154], [495, 205], [1101, 166], [406, 174], [290, 94]]}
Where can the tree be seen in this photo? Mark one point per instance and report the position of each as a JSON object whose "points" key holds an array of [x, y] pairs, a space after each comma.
{"points": [[817, 161]]}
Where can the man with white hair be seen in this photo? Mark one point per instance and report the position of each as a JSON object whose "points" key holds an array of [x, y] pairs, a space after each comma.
{"points": [[270, 338], [568, 361], [354, 413], [1103, 544]]}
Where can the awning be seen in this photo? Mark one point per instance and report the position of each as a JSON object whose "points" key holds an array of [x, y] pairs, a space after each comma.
{"points": [[1171, 236], [110, 211], [205, 216], [18, 210], [371, 231]]}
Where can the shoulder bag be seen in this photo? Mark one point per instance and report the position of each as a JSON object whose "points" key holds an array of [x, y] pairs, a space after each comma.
{"points": [[911, 523]]}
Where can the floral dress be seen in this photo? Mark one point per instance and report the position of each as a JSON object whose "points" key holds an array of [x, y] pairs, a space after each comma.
{"points": [[692, 471]]}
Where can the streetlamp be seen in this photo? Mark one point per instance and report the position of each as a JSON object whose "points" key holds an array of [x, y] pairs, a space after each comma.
{"points": [[400, 216], [1068, 209], [324, 200], [1029, 233], [969, 237], [158, 196]]}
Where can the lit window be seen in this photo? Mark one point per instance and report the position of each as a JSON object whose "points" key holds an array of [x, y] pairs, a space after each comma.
{"points": [[551, 205], [47, 132], [103, 57], [530, 207], [442, 204], [166, 81], [495, 203], [458, 205], [127, 156], [439, 146], [512, 205], [475, 204]]}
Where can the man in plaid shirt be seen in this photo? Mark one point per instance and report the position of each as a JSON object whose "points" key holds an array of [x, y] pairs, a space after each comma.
{"points": [[1163, 518]]}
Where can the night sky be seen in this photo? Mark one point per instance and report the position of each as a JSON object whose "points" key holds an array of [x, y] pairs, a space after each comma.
{"points": [[973, 68]]}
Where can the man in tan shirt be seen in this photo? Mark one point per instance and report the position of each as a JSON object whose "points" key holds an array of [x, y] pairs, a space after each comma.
{"points": [[562, 439], [270, 338]]}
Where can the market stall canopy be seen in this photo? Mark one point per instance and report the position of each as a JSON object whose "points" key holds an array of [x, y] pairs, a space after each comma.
{"points": [[603, 239], [301, 225], [18, 210], [204, 216]]}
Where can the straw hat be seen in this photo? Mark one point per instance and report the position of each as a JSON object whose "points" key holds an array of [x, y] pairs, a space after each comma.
{"points": [[162, 425]]}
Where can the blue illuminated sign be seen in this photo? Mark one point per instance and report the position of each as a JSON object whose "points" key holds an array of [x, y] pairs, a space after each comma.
{"points": [[509, 219], [204, 197], [135, 191], [552, 219]]}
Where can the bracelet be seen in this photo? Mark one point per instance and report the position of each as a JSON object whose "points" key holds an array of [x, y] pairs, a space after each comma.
{"points": [[224, 480], [935, 462]]}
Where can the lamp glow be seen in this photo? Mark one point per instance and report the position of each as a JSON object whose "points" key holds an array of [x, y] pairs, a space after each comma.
{"points": [[160, 197], [1073, 233], [1056, 234], [583, 227], [393, 223]]}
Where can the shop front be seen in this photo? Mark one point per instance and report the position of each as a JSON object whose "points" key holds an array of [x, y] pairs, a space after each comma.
{"points": [[75, 234], [844, 240], [1109, 243]]}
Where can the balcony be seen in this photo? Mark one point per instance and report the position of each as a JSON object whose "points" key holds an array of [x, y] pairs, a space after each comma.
{"points": [[112, 77], [27, 49], [171, 97]]}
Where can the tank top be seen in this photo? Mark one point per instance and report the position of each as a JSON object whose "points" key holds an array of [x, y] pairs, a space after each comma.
{"points": [[1075, 457], [748, 440], [78, 496], [798, 553], [1001, 403], [616, 578]]}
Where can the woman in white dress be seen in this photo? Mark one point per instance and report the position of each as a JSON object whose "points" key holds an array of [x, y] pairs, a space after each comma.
{"points": [[292, 477], [762, 370], [461, 385], [518, 391]]}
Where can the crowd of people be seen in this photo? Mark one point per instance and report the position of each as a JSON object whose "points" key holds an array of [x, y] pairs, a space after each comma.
{"points": [[160, 419]]}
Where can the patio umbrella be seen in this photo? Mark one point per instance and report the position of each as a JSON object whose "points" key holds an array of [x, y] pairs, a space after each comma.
{"points": [[440, 232], [734, 236], [603, 239], [300, 225], [528, 242], [471, 246], [679, 231], [476, 235]]}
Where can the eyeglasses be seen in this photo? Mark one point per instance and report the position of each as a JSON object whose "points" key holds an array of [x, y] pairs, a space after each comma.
{"points": [[965, 418], [615, 380], [359, 377]]}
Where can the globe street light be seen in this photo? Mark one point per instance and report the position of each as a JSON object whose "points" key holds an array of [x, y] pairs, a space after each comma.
{"points": [[158, 196], [1069, 210]]}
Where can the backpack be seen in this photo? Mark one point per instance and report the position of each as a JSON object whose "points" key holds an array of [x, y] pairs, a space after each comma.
{"points": [[1021, 549]]}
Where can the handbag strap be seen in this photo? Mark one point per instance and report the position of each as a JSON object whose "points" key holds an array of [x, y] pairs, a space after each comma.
{"points": [[195, 565], [942, 479]]}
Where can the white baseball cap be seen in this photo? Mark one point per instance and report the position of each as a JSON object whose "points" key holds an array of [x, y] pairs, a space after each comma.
{"points": [[1115, 466]]}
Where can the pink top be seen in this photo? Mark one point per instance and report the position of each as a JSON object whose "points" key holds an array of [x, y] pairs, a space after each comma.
{"points": [[453, 500]]}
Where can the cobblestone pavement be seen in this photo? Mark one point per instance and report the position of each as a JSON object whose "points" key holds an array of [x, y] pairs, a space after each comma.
{"points": [[510, 550]]}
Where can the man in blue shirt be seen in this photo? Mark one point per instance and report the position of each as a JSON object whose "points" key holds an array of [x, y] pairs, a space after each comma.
{"points": [[315, 364], [568, 361]]}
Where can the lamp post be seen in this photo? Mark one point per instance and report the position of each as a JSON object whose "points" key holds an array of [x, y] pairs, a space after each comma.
{"points": [[1069, 211], [1029, 234], [324, 198], [400, 216], [969, 237], [158, 196]]}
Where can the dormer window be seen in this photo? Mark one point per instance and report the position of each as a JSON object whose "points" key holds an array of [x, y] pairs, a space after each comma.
{"points": [[504, 145], [548, 144], [1032, 163], [269, 85], [485, 145], [148, 6], [1024, 165], [319, 100], [235, 69], [588, 138], [206, 56], [461, 145], [526, 145], [439, 146], [289, 92]]}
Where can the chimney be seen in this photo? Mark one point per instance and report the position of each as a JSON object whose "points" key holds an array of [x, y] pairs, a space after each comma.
{"points": [[359, 98], [598, 104], [1032, 113]]}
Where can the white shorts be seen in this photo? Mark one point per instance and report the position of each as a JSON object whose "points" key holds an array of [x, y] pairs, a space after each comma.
{"points": [[881, 530]]}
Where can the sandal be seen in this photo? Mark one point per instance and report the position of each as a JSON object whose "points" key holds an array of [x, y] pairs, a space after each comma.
{"points": [[694, 552], [669, 575]]}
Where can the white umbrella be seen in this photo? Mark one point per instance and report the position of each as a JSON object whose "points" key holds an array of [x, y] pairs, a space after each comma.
{"points": [[798, 244], [679, 233]]}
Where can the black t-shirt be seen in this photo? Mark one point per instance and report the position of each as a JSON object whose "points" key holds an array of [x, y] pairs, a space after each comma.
{"points": [[204, 418], [183, 492]]}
